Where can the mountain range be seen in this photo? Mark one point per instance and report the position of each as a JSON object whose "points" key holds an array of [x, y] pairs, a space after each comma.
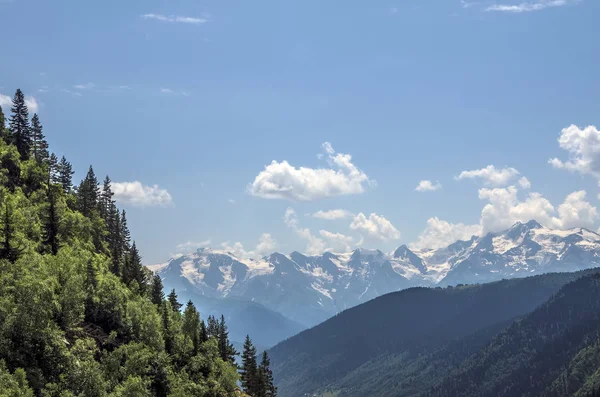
{"points": [[299, 291]]}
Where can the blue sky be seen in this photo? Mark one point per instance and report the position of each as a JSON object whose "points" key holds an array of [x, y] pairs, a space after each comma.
{"points": [[185, 104]]}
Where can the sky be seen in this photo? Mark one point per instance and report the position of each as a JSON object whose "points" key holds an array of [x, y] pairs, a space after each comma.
{"points": [[318, 126]]}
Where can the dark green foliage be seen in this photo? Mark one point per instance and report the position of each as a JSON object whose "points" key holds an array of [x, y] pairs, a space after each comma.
{"points": [[175, 305], [65, 175], [266, 387], [4, 133], [69, 324], [39, 146], [156, 290], [87, 194], [19, 125], [212, 327], [226, 349], [249, 371], [404, 343]]}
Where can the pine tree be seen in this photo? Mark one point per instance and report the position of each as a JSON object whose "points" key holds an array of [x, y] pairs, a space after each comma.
{"points": [[87, 194], [191, 325], [212, 327], [266, 383], [19, 125], [125, 235], [203, 333], [51, 221], [8, 250], [53, 169], [249, 368], [156, 292], [134, 270], [65, 175], [106, 199], [165, 314], [226, 349], [39, 146], [3, 130], [175, 305], [115, 243]]}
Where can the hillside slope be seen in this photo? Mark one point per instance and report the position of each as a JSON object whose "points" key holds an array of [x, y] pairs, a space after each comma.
{"points": [[383, 346]]}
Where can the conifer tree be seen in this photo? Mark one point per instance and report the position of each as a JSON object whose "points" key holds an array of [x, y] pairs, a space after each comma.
{"points": [[226, 349], [172, 298], [156, 292], [39, 146], [203, 333], [266, 383], [125, 235], [53, 170], [65, 175], [51, 221], [166, 321], [19, 125], [114, 239], [212, 327], [106, 199], [9, 250], [134, 270], [249, 368], [3, 130], [191, 325], [87, 194]]}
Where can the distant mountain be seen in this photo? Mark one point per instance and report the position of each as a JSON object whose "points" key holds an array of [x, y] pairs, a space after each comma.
{"points": [[310, 289], [408, 342]]}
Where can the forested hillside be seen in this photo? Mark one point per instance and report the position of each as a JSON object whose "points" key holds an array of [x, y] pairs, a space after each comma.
{"points": [[406, 343], [79, 314]]}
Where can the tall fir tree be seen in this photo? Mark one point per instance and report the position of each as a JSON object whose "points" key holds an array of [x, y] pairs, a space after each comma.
{"points": [[249, 370], [266, 385], [191, 326], [87, 194], [65, 175], [8, 250], [172, 298], [125, 235], [53, 171], [3, 130], [20, 131], [115, 243], [134, 270], [212, 327], [51, 223], [106, 199], [156, 291], [226, 349], [39, 145]]}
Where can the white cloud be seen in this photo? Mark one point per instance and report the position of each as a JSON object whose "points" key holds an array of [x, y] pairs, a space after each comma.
{"points": [[337, 242], [266, 244], [428, 186], [176, 18], [191, 246], [375, 226], [524, 183], [314, 245], [280, 180], [6, 103], [583, 146], [332, 215], [529, 6], [231, 201], [138, 195], [168, 91], [440, 233], [505, 208], [86, 86], [490, 175]]}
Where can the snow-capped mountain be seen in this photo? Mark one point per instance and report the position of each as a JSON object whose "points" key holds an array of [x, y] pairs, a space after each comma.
{"points": [[309, 289]]}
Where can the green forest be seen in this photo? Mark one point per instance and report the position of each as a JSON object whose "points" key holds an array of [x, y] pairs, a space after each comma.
{"points": [[79, 313]]}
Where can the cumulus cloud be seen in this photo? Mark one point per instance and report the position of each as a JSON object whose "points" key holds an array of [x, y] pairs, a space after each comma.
{"points": [[524, 183], [139, 195], [490, 175], [6, 103], [522, 7], [314, 244], [439, 233], [176, 18], [281, 180], [337, 242], [505, 208], [191, 246], [428, 186], [266, 245], [583, 147], [375, 226], [332, 215]]}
